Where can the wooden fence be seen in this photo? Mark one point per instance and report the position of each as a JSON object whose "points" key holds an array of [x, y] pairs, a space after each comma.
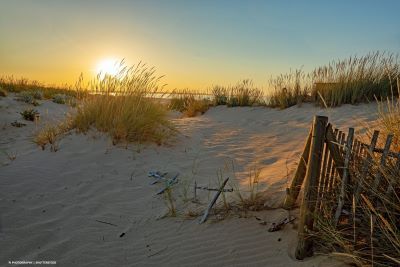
{"points": [[330, 188]]}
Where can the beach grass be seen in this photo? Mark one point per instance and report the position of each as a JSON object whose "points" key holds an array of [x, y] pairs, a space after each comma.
{"points": [[124, 106], [244, 93], [220, 95], [25, 86], [356, 79], [29, 114], [389, 117], [353, 80], [289, 89], [190, 103], [52, 133]]}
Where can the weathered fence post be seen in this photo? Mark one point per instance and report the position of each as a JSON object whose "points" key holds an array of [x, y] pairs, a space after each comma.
{"points": [[293, 191], [305, 242]]}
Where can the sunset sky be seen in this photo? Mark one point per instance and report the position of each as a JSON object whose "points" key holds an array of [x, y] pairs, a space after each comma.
{"points": [[194, 43]]}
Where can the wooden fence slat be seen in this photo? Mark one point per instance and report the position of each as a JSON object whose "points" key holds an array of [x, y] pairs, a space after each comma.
{"points": [[366, 165], [342, 141], [355, 147], [306, 224], [338, 176], [346, 174], [323, 178], [360, 149], [335, 151], [383, 161], [331, 165], [356, 158], [298, 179]]}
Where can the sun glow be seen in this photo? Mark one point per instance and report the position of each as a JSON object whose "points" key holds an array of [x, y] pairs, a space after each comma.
{"points": [[108, 67]]}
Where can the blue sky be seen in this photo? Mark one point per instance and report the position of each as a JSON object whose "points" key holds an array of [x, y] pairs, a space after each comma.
{"points": [[194, 43]]}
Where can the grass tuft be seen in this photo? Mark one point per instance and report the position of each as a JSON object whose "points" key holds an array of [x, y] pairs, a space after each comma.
{"points": [[244, 94], [349, 81], [289, 89], [39, 90], [170, 202], [3, 92], [30, 114], [220, 95], [60, 98], [124, 107], [389, 117], [251, 199], [189, 103], [51, 134]]}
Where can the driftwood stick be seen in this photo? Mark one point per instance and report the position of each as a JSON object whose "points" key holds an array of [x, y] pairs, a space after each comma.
{"points": [[346, 174], [294, 190], [205, 216], [366, 165], [308, 204]]}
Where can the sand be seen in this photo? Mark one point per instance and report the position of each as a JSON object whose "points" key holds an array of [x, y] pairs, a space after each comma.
{"points": [[51, 202]]}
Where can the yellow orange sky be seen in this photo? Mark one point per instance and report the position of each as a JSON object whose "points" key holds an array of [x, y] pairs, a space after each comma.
{"points": [[195, 44]]}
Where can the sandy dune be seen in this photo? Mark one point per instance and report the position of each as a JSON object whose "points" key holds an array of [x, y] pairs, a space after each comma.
{"points": [[50, 201]]}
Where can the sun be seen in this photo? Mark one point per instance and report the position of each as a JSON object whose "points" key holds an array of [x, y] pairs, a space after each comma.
{"points": [[107, 67]]}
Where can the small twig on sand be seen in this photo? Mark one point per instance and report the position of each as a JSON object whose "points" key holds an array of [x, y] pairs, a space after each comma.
{"points": [[278, 226], [106, 223], [158, 252], [262, 222], [214, 189]]}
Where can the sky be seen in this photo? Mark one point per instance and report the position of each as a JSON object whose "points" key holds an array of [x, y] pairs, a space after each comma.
{"points": [[195, 44]]}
